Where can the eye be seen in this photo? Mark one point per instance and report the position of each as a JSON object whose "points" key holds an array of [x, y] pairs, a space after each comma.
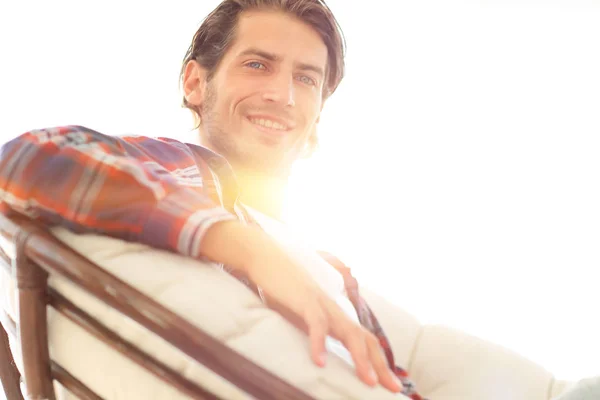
{"points": [[255, 65], [307, 80]]}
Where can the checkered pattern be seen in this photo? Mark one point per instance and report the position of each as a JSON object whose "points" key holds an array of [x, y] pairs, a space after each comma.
{"points": [[159, 192]]}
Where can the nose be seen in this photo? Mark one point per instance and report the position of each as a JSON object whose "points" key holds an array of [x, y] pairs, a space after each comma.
{"points": [[280, 89]]}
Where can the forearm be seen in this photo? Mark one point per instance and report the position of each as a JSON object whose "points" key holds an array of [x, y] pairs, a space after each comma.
{"points": [[240, 246], [253, 252]]}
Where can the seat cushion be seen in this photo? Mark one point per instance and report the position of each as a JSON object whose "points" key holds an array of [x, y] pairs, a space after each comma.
{"points": [[206, 296], [444, 363]]}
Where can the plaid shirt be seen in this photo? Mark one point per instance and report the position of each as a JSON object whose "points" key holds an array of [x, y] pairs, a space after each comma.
{"points": [[159, 192]]}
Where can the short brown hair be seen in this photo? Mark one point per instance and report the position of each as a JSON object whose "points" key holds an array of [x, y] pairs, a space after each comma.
{"points": [[217, 31]]}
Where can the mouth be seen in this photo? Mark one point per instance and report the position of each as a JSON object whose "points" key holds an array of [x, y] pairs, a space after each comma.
{"points": [[270, 125]]}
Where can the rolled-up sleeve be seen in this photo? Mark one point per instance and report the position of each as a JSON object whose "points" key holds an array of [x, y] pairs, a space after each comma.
{"points": [[89, 182]]}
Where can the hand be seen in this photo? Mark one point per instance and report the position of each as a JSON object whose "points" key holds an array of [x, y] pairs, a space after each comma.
{"points": [[291, 291]]}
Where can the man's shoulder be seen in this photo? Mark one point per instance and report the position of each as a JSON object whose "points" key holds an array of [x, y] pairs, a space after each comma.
{"points": [[163, 150], [150, 141], [157, 148], [163, 143], [171, 152]]}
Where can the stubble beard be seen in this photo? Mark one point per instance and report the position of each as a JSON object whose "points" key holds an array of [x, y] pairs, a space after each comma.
{"points": [[247, 156]]}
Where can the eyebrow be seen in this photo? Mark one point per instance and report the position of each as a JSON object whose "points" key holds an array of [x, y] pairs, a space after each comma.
{"points": [[274, 57]]}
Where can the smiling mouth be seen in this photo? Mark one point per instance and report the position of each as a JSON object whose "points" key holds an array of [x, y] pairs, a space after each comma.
{"points": [[266, 124]]}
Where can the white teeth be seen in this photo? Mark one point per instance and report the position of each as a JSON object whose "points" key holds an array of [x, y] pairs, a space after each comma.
{"points": [[268, 124]]}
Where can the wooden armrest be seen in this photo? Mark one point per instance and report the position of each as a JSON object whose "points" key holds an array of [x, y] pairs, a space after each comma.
{"points": [[55, 258]]}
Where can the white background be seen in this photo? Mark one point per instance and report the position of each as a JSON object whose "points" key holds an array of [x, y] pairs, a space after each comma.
{"points": [[459, 168]]}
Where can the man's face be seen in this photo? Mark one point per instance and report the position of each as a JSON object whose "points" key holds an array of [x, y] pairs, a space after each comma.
{"points": [[264, 101]]}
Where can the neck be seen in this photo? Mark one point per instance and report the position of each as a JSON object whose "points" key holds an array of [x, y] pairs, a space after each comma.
{"points": [[264, 193]]}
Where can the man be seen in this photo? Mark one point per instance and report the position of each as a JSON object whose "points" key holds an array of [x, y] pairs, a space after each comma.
{"points": [[256, 76]]}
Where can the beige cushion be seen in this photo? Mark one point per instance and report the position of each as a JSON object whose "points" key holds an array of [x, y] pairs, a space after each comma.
{"points": [[207, 297], [444, 363]]}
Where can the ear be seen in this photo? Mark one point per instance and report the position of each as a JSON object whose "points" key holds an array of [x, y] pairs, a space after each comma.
{"points": [[194, 82]]}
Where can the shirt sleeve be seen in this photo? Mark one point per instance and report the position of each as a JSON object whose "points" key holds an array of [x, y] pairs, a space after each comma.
{"points": [[87, 182]]}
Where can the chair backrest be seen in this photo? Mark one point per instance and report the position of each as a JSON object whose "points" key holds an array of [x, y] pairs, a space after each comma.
{"points": [[30, 254], [9, 374]]}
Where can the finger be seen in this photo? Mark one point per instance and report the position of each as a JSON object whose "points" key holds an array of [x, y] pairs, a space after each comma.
{"points": [[385, 376], [316, 322], [354, 341], [353, 337]]}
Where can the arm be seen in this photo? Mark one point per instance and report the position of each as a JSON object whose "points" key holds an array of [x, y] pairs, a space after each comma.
{"points": [[87, 182]]}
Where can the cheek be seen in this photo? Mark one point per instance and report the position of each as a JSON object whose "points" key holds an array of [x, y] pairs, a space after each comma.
{"points": [[238, 99], [309, 100], [313, 110]]}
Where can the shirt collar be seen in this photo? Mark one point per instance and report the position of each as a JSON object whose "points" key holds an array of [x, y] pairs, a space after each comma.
{"points": [[227, 180]]}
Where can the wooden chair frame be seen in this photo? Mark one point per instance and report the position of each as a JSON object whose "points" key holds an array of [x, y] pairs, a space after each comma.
{"points": [[30, 254]]}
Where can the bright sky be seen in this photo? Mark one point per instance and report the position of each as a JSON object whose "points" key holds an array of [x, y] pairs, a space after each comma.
{"points": [[459, 165]]}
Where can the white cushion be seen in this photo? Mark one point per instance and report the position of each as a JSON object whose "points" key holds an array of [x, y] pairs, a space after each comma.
{"points": [[207, 297], [445, 364]]}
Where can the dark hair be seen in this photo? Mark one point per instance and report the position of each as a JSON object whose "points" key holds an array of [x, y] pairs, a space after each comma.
{"points": [[216, 33]]}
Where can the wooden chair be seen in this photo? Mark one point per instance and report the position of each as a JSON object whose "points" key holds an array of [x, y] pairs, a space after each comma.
{"points": [[31, 254]]}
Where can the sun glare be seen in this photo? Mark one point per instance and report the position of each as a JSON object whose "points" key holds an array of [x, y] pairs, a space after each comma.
{"points": [[458, 171]]}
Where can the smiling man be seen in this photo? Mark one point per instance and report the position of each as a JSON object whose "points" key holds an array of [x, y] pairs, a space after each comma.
{"points": [[256, 77], [261, 106]]}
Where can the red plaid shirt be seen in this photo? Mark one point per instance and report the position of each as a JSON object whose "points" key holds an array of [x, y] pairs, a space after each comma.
{"points": [[159, 192]]}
